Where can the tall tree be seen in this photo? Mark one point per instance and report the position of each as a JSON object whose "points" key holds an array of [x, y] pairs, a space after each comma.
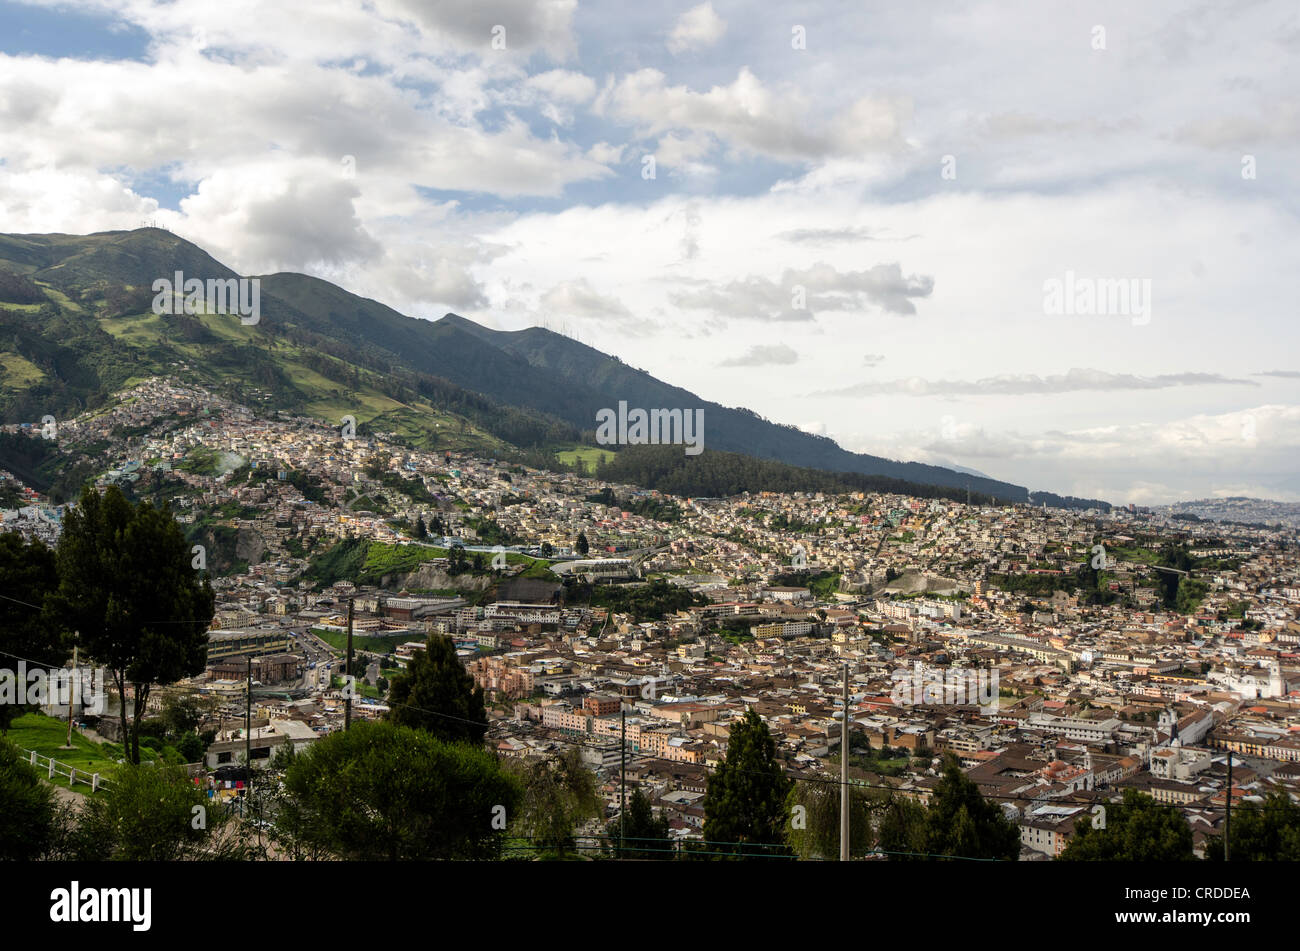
{"points": [[421, 531], [961, 822], [436, 694], [128, 587], [1137, 829], [385, 792], [744, 803], [583, 546], [27, 629], [640, 834]]}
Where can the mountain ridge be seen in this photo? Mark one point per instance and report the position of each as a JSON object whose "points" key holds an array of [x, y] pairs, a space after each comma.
{"points": [[317, 346]]}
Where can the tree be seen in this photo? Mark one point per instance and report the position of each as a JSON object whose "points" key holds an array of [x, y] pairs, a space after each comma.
{"points": [[813, 831], [547, 549], [191, 747], [27, 577], [29, 819], [744, 803], [156, 813], [1267, 832], [902, 829], [128, 587], [184, 712], [421, 532], [961, 822], [582, 545], [437, 695], [1137, 829], [639, 834], [559, 793], [384, 792]]}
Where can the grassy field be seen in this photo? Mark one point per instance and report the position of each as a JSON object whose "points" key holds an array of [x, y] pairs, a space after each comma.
{"points": [[19, 372], [589, 455], [377, 645], [35, 731]]}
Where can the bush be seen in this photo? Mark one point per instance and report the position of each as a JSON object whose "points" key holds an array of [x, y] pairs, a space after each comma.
{"points": [[28, 817]]}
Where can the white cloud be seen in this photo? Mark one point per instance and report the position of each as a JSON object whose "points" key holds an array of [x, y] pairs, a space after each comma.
{"points": [[750, 116], [698, 28], [764, 355]]}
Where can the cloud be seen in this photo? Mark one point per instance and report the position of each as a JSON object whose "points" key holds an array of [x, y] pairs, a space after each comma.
{"points": [[873, 359], [764, 356], [1024, 384], [579, 299], [803, 292], [1284, 374], [838, 235], [749, 116], [529, 24], [697, 28], [606, 154]]}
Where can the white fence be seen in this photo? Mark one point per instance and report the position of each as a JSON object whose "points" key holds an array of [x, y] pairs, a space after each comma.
{"points": [[63, 770]]}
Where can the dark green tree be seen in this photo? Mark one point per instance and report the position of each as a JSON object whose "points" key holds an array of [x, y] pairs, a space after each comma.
{"points": [[27, 577], [128, 587], [156, 813], [901, 829], [28, 818], [961, 822], [641, 834], [744, 803], [384, 792], [1137, 829], [421, 531], [582, 545], [1267, 832], [436, 694]]}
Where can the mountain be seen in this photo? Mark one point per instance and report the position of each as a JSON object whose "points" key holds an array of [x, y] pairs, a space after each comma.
{"points": [[76, 324]]}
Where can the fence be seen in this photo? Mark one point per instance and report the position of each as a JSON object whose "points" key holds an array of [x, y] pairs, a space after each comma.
{"points": [[74, 775]]}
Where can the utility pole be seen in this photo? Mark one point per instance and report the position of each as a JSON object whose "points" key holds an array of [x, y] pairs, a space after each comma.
{"points": [[74, 686], [1227, 816], [844, 772], [248, 733], [622, 776], [347, 672]]}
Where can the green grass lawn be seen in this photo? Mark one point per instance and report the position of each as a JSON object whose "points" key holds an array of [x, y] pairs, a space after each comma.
{"points": [[589, 455], [35, 731], [377, 645]]}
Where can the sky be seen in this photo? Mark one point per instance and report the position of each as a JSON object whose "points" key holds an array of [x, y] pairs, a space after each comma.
{"points": [[1052, 242]]}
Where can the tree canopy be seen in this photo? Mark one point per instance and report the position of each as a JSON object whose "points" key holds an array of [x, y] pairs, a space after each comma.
{"points": [[436, 694], [27, 577], [128, 587], [380, 791], [1261, 832], [745, 801], [1137, 829]]}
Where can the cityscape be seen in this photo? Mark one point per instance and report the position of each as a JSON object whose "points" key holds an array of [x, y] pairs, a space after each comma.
{"points": [[457, 437]]}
